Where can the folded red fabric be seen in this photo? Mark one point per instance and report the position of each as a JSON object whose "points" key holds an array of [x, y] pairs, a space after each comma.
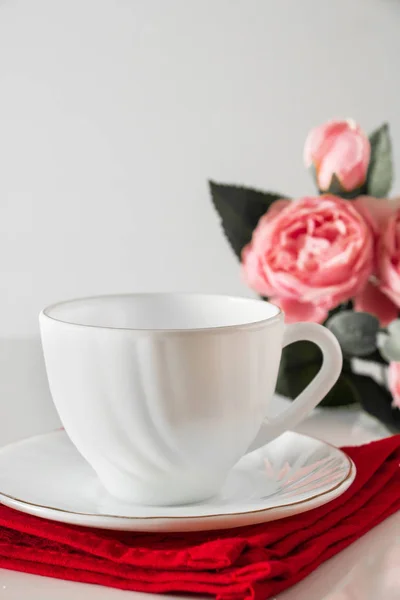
{"points": [[253, 562]]}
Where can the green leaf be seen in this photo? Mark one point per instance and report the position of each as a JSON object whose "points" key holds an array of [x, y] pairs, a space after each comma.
{"points": [[300, 354], [375, 357], [240, 210], [355, 331], [380, 171], [292, 383], [343, 392], [389, 342], [335, 187], [350, 388], [376, 400], [389, 347], [300, 363]]}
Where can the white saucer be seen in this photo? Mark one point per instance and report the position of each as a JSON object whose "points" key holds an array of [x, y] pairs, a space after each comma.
{"points": [[46, 476]]}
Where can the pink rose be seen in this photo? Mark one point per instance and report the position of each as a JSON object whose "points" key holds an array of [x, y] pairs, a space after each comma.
{"points": [[371, 299], [394, 382], [309, 255], [338, 148], [389, 258]]}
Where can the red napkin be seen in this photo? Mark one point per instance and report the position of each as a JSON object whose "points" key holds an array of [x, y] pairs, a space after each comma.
{"points": [[254, 562]]}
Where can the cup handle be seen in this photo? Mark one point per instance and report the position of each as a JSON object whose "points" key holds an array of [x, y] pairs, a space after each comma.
{"points": [[316, 389]]}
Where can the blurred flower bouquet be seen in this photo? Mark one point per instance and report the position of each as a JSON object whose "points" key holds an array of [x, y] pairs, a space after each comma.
{"points": [[334, 259]]}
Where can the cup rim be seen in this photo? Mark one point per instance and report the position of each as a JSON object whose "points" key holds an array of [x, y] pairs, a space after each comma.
{"points": [[277, 317]]}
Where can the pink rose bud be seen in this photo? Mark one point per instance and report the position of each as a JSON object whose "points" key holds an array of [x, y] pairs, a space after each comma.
{"points": [[394, 382], [338, 148], [309, 255]]}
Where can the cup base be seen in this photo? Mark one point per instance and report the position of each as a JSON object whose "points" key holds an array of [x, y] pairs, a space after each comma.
{"points": [[168, 490]]}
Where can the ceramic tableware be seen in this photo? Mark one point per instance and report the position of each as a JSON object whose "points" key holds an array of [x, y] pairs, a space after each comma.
{"points": [[162, 394], [46, 476]]}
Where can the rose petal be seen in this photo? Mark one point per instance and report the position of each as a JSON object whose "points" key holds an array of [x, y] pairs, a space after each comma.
{"points": [[300, 311], [394, 382], [376, 211], [373, 301], [252, 273]]}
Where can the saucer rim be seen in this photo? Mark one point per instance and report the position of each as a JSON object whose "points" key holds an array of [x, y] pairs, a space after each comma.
{"points": [[350, 475]]}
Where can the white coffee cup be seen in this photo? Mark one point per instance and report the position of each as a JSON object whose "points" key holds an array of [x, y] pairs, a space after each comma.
{"points": [[163, 393]]}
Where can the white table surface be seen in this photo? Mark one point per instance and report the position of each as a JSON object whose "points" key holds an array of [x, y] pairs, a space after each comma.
{"points": [[367, 570]]}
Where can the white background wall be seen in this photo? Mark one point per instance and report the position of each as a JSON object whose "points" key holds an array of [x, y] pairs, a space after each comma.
{"points": [[113, 114]]}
